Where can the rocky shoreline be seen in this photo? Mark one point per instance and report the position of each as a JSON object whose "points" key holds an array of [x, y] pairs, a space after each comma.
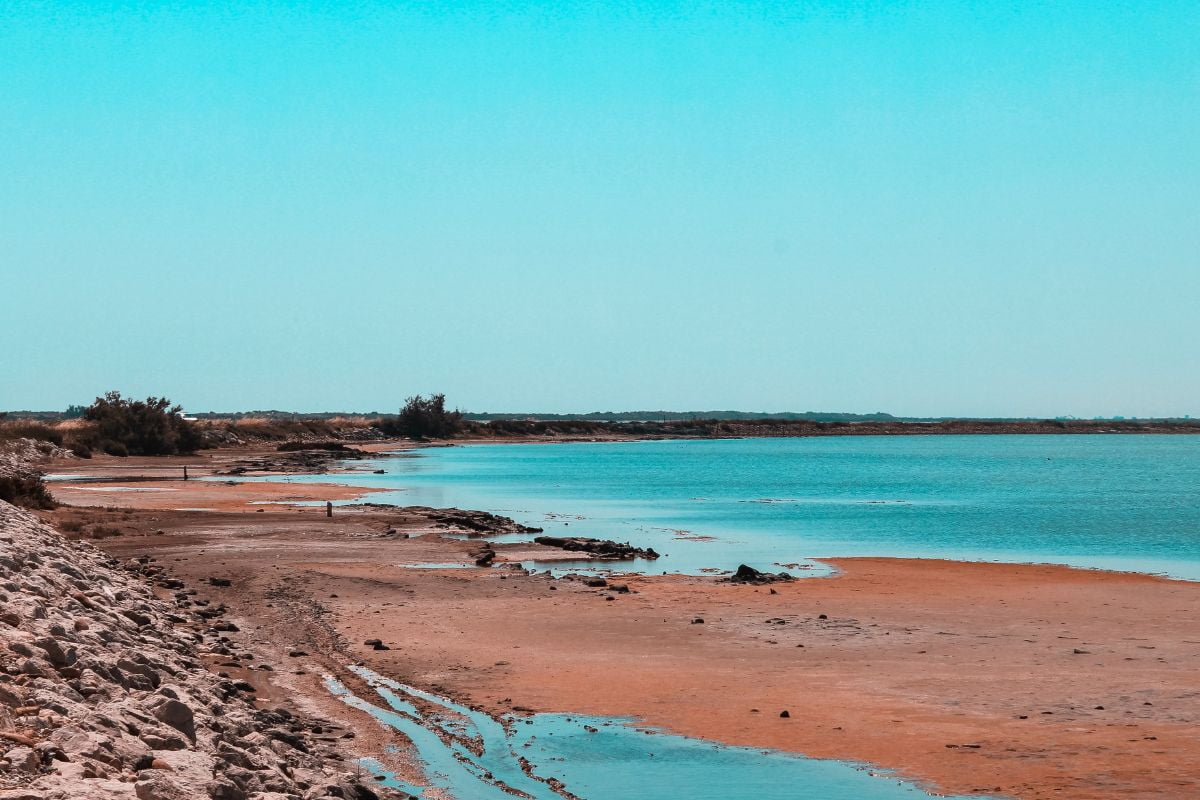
{"points": [[106, 690]]}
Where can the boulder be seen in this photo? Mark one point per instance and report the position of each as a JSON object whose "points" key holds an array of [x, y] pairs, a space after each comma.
{"points": [[158, 785], [748, 574], [601, 548], [178, 716]]}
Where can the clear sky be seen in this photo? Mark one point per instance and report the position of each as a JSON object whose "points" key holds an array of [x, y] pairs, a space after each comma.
{"points": [[976, 208]]}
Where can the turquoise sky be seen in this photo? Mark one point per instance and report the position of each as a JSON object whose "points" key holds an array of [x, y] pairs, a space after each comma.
{"points": [[923, 208]]}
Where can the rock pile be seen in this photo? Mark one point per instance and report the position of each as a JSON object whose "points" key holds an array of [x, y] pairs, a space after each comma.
{"points": [[103, 694], [24, 454], [476, 523], [602, 548], [20, 480], [747, 574]]}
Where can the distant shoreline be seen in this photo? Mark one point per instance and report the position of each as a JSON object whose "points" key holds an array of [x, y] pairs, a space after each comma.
{"points": [[538, 430]]}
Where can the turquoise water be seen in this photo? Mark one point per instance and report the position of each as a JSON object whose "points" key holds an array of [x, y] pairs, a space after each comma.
{"points": [[1114, 502], [470, 756]]}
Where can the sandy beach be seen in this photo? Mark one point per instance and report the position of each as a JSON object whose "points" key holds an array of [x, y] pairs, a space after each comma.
{"points": [[1021, 681]]}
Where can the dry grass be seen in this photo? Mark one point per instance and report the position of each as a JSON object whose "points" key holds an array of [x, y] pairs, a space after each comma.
{"points": [[350, 422], [281, 429], [21, 429]]}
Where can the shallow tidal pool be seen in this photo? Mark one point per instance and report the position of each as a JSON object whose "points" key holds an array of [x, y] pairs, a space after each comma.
{"points": [[468, 755]]}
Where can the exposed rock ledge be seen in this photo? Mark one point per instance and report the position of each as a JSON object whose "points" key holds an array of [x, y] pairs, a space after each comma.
{"points": [[103, 696], [602, 548]]}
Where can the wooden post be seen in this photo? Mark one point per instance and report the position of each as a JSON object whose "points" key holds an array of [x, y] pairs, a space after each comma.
{"points": [[328, 508], [185, 473]]}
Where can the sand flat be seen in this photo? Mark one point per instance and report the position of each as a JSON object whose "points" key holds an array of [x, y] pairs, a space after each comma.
{"points": [[1022, 680]]}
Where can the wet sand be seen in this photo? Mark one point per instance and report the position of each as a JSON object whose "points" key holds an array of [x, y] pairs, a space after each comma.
{"points": [[1024, 681]]}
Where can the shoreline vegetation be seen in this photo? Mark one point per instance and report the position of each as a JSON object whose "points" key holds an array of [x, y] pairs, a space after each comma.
{"points": [[119, 426], [1009, 680]]}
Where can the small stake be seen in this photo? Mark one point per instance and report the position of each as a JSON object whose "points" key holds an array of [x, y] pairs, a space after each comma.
{"points": [[328, 508]]}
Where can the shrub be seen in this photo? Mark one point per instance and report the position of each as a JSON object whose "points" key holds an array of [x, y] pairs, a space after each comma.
{"points": [[26, 490], [150, 427], [423, 418]]}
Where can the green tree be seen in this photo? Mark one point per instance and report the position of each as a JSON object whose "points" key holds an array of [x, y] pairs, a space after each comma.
{"points": [[150, 427]]}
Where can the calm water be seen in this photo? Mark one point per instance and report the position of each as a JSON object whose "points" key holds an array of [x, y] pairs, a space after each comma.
{"points": [[470, 756], [1117, 502]]}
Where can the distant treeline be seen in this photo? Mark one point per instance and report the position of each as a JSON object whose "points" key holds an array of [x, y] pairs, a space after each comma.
{"points": [[671, 416], [728, 428], [120, 426], [75, 412]]}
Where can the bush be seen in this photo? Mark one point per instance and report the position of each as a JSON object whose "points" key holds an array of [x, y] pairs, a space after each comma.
{"points": [[26, 490], [423, 418], [150, 427]]}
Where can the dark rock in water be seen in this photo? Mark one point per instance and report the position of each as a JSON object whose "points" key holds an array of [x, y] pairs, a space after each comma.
{"points": [[595, 583], [604, 548], [479, 522], [619, 588], [747, 574], [698, 621], [220, 581], [485, 558], [376, 644], [784, 714]]}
